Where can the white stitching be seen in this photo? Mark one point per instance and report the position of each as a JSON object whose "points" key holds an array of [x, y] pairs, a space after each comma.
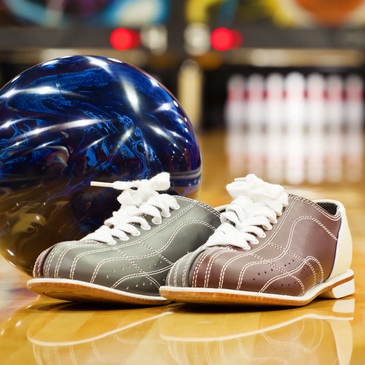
{"points": [[119, 247], [161, 249], [261, 246], [284, 250]]}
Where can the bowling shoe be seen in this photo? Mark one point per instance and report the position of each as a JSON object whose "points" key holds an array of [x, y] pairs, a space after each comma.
{"points": [[127, 259], [272, 248]]}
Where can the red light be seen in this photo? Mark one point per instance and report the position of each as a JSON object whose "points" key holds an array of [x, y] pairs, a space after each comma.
{"points": [[123, 39], [221, 39]]}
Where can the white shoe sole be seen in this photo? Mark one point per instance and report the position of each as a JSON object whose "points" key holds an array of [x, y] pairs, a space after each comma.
{"points": [[79, 291], [337, 287]]}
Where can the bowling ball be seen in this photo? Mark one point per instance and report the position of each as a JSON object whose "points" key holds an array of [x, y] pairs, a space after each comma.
{"points": [[73, 120], [330, 13]]}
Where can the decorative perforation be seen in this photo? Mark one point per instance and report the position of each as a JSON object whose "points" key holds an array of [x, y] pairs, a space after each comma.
{"points": [[283, 275], [301, 258], [142, 274]]}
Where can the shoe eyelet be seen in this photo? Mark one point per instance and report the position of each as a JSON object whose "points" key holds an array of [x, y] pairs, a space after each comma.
{"points": [[146, 228], [168, 215], [124, 239], [136, 234], [176, 207], [262, 235], [156, 222], [113, 243]]}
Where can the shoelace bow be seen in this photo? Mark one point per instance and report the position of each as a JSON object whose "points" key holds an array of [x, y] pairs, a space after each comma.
{"points": [[255, 208], [138, 198]]}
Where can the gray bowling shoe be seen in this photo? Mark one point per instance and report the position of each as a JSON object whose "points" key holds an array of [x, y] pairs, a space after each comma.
{"points": [[128, 258]]}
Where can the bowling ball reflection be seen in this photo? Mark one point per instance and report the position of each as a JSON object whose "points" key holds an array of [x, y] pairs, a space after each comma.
{"points": [[68, 121]]}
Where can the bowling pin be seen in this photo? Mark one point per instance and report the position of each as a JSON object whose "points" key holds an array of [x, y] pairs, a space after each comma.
{"points": [[316, 110], [354, 108], [255, 114], [274, 118], [295, 100], [235, 146], [335, 122], [295, 107], [234, 109], [255, 102], [316, 102], [354, 155], [334, 108], [333, 145]]}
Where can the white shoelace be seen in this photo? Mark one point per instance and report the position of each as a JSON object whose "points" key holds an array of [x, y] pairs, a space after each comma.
{"points": [[253, 211], [138, 198]]}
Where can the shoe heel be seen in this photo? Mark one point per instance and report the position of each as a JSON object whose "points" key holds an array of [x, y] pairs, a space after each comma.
{"points": [[340, 291]]}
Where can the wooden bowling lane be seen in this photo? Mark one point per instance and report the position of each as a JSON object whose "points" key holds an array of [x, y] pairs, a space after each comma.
{"points": [[39, 330]]}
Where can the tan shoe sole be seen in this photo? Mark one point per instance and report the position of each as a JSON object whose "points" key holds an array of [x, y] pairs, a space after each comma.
{"points": [[79, 291], [337, 287]]}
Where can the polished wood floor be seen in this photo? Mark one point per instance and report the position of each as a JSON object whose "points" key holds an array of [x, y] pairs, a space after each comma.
{"points": [[39, 330]]}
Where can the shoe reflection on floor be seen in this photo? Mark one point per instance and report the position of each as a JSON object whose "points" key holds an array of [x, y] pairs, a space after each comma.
{"points": [[63, 333], [308, 335]]}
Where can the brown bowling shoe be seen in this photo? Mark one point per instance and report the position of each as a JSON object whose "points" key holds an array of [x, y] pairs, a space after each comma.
{"points": [[272, 248]]}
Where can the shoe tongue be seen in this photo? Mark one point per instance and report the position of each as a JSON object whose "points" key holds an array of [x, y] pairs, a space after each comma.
{"points": [[253, 189]]}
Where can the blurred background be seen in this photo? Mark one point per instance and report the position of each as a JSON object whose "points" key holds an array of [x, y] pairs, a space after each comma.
{"points": [[276, 86], [272, 87]]}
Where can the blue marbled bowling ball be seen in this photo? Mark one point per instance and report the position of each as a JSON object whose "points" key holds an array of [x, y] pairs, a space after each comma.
{"points": [[68, 121]]}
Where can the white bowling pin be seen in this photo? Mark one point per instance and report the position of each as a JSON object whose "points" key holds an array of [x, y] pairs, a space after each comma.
{"points": [[274, 107], [234, 110], [255, 102], [335, 102], [274, 121], [335, 121], [295, 101], [354, 155], [354, 104], [315, 102], [295, 107], [235, 146]]}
